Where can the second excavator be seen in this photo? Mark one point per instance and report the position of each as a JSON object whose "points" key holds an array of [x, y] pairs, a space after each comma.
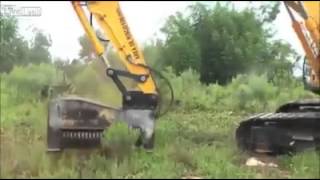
{"points": [[294, 126]]}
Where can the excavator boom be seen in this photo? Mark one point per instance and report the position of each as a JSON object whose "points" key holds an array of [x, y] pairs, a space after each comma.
{"points": [[308, 32]]}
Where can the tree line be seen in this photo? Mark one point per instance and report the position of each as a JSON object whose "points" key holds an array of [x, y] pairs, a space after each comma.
{"points": [[220, 42], [217, 41]]}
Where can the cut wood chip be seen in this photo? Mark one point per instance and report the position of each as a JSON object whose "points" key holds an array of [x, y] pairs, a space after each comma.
{"points": [[252, 162]]}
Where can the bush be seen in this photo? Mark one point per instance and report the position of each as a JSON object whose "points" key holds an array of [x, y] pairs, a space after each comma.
{"points": [[90, 81], [26, 83], [246, 92]]}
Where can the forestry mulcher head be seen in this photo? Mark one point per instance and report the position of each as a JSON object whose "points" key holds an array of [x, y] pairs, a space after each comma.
{"points": [[75, 122]]}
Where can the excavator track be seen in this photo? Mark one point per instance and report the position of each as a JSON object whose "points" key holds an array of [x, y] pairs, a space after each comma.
{"points": [[294, 127]]}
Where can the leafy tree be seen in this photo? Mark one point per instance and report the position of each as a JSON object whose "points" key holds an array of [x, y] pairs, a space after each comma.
{"points": [[220, 42], [151, 51], [15, 50], [86, 52], [180, 50], [39, 50], [268, 12]]}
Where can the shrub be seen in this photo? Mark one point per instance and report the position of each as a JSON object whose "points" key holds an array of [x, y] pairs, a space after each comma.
{"points": [[246, 92], [26, 83]]}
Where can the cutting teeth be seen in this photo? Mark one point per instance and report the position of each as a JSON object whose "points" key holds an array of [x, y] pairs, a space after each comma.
{"points": [[85, 135]]}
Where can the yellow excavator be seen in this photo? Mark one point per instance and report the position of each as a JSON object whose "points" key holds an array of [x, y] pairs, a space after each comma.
{"points": [[294, 126], [75, 122]]}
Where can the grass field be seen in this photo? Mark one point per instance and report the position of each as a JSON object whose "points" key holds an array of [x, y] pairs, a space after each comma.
{"points": [[188, 143], [196, 138]]}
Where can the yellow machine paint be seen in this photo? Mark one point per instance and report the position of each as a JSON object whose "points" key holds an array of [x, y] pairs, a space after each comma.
{"points": [[113, 23], [308, 32]]}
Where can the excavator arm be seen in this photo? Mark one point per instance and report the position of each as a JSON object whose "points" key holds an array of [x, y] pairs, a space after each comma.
{"points": [[111, 20], [80, 123], [307, 30]]}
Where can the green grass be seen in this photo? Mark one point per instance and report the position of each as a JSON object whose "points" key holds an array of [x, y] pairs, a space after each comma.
{"points": [[195, 139], [193, 143]]}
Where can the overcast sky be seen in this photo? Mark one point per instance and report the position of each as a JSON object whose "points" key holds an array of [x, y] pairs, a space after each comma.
{"points": [[144, 19]]}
